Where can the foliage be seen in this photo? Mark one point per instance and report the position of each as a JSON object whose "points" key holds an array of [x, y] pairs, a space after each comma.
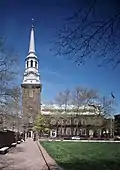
{"points": [[88, 155], [41, 124]]}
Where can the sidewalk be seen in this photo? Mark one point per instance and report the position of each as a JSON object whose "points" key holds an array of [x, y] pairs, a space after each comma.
{"points": [[26, 156]]}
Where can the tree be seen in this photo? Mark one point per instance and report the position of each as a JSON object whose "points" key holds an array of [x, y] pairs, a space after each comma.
{"points": [[8, 73], [13, 107], [105, 108], [63, 99], [8, 76], [88, 34], [11, 110], [41, 124], [83, 97]]}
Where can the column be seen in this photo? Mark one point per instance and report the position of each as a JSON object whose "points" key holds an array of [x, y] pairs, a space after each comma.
{"points": [[29, 63], [33, 63]]}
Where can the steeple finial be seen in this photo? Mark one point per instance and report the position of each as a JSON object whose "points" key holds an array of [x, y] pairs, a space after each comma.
{"points": [[32, 43], [32, 22]]}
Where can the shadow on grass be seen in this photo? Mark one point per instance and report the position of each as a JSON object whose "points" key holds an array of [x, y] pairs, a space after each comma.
{"points": [[90, 165]]}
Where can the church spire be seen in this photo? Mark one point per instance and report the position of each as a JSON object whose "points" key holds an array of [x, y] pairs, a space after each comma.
{"points": [[32, 41], [31, 73]]}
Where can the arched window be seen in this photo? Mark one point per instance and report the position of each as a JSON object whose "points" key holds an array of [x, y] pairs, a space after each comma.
{"points": [[35, 64], [31, 63], [27, 63]]}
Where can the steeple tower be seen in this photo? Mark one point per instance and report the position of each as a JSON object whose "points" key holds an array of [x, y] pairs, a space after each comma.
{"points": [[31, 85], [31, 74]]}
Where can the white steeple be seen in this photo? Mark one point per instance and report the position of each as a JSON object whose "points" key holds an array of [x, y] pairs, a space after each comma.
{"points": [[32, 43], [31, 74]]}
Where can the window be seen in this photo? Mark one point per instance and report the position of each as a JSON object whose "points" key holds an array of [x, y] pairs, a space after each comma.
{"points": [[53, 121], [35, 64], [83, 121], [68, 121], [31, 63], [27, 63], [76, 121], [82, 131], [31, 93], [68, 130]]}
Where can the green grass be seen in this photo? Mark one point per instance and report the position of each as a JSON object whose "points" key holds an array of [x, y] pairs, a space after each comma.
{"points": [[84, 156]]}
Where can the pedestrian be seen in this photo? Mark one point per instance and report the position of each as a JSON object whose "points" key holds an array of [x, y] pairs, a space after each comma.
{"points": [[34, 138]]}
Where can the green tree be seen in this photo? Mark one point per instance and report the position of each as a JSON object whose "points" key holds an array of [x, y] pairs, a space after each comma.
{"points": [[41, 124]]}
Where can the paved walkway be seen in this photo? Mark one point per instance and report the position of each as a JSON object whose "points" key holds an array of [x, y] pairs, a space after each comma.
{"points": [[26, 156]]}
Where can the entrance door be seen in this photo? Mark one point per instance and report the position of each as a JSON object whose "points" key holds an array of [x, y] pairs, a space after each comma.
{"points": [[29, 134]]}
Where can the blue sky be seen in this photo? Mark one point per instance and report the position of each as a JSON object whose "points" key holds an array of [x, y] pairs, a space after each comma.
{"points": [[56, 73]]}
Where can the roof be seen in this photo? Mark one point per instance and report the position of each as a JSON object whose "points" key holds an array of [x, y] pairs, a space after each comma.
{"points": [[56, 109], [62, 107], [68, 113]]}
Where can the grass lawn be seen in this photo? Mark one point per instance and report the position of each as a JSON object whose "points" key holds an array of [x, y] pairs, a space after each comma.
{"points": [[84, 156]]}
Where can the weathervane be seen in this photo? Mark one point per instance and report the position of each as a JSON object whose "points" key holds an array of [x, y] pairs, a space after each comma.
{"points": [[32, 22]]}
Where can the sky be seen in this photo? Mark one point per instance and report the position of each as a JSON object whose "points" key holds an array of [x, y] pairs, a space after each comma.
{"points": [[56, 73]]}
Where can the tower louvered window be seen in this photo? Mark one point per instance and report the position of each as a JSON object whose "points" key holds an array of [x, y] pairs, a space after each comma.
{"points": [[31, 63], [27, 63], [35, 64]]}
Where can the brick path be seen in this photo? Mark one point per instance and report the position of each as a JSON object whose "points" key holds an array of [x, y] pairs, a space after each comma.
{"points": [[26, 156]]}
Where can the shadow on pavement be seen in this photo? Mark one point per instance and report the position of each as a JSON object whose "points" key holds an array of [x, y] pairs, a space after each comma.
{"points": [[7, 163], [16, 149]]}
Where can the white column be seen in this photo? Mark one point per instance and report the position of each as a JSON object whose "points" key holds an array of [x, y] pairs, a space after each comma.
{"points": [[29, 63], [100, 132], [31, 133], [26, 64], [37, 64], [91, 133], [33, 63], [25, 135]]}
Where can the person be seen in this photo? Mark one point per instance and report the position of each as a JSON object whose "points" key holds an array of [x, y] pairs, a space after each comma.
{"points": [[34, 137]]}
